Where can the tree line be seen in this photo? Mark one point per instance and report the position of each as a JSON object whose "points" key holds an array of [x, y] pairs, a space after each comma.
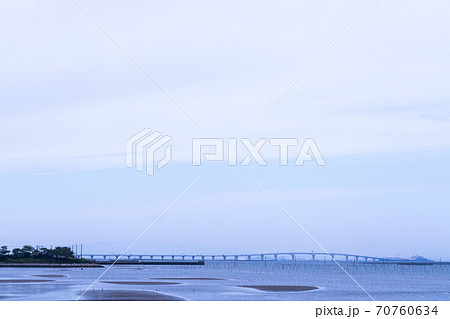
{"points": [[42, 253]]}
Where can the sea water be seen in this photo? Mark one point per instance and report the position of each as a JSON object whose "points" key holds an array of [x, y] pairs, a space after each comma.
{"points": [[222, 280]]}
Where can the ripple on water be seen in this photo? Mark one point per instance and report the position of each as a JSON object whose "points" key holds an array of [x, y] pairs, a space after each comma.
{"points": [[188, 278], [22, 281], [281, 288]]}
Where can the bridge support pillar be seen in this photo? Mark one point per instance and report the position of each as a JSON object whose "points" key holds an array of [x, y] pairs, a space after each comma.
{"points": [[313, 257], [346, 258]]}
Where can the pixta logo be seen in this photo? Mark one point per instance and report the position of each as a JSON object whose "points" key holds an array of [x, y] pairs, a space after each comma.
{"points": [[142, 150], [201, 151]]}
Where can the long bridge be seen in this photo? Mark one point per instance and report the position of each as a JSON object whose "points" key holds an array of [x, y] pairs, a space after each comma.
{"points": [[237, 257]]}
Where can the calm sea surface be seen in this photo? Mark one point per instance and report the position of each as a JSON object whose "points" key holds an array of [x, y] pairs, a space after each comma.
{"points": [[221, 281]]}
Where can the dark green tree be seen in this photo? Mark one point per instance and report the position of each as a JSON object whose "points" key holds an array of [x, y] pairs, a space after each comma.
{"points": [[62, 252], [4, 251], [17, 253], [27, 251], [44, 252]]}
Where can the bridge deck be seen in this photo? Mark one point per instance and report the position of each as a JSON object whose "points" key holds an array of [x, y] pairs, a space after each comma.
{"points": [[237, 257]]}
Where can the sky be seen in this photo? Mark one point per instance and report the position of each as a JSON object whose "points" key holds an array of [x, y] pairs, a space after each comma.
{"points": [[376, 104]]}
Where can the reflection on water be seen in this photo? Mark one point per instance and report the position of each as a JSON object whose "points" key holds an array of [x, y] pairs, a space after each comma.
{"points": [[230, 281]]}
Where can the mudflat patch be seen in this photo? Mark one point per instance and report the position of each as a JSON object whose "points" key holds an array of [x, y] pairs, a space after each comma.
{"points": [[127, 295], [22, 281], [142, 283], [282, 288], [50, 276]]}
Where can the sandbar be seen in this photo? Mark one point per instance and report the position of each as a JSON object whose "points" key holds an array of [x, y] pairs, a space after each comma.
{"points": [[127, 295], [281, 288]]}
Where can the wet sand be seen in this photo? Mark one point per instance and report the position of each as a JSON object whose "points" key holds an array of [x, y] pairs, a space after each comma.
{"points": [[281, 288], [43, 265], [22, 281], [148, 283], [187, 278], [127, 295]]}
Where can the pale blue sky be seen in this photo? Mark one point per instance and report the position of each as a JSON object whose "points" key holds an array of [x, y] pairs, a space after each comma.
{"points": [[377, 105]]}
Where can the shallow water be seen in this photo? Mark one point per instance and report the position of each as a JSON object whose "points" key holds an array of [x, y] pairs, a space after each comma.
{"points": [[382, 282]]}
